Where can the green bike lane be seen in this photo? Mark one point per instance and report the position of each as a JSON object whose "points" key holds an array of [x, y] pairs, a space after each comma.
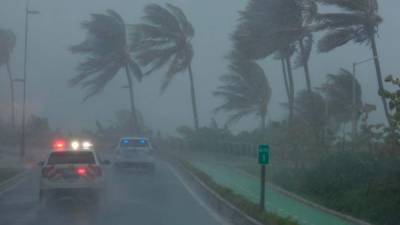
{"points": [[276, 202]]}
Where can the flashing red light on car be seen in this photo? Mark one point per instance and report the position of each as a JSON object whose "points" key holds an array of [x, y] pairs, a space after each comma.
{"points": [[81, 171], [59, 145]]}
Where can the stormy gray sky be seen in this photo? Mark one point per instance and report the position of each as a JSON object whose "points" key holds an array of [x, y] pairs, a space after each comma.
{"points": [[58, 27]]}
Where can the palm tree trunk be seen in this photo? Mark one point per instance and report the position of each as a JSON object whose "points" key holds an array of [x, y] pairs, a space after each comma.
{"points": [[193, 95], [291, 89], [285, 79], [379, 76], [305, 66], [10, 77], [132, 100]]}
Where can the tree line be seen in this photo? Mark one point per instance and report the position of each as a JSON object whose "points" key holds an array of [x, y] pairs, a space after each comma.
{"points": [[281, 30]]}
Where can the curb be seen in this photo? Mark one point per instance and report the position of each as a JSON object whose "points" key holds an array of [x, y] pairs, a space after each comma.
{"points": [[227, 209]]}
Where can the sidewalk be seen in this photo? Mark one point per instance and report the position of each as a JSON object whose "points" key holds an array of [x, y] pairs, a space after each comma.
{"points": [[276, 202]]}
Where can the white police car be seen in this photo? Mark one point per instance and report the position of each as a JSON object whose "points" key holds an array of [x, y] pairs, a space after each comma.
{"points": [[72, 171], [134, 153]]}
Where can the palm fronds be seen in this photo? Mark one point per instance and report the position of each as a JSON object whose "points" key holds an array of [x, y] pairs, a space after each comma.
{"points": [[105, 48], [245, 91]]}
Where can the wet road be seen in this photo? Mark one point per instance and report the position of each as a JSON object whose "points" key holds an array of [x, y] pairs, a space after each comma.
{"points": [[132, 198]]}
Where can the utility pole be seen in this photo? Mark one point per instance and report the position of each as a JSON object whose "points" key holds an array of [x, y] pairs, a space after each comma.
{"points": [[354, 110], [354, 101], [23, 128]]}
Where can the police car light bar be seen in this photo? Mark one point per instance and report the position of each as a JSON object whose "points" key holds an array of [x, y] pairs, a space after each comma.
{"points": [[87, 145], [75, 145], [59, 145]]}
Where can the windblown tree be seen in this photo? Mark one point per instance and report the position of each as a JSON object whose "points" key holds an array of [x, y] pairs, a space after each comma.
{"points": [[310, 107], [309, 11], [303, 57], [107, 52], [338, 91], [277, 26], [7, 44], [310, 113], [163, 39], [287, 70], [245, 91], [358, 22]]}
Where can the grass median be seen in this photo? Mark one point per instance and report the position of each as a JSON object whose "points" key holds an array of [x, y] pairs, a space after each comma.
{"points": [[248, 207]]}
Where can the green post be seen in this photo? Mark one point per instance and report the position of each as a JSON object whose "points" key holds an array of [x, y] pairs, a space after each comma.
{"points": [[262, 193], [263, 160]]}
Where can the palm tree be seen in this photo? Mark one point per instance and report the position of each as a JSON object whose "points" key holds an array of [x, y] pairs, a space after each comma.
{"points": [[265, 28], [245, 91], [309, 109], [106, 50], [7, 44], [285, 56], [358, 23], [308, 10], [164, 39], [338, 91], [303, 58]]}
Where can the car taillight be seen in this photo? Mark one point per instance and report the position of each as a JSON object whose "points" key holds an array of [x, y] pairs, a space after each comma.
{"points": [[48, 171], [81, 171]]}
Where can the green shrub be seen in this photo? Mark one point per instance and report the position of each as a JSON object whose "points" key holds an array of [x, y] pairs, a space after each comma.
{"points": [[364, 185]]}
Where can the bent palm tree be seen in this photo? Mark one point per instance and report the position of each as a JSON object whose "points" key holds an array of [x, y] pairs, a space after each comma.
{"points": [[7, 44], [106, 48], [308, 10], [359, 24], [164, 38], [338, 91], [265, 28], [285, 56], [245, 91]]}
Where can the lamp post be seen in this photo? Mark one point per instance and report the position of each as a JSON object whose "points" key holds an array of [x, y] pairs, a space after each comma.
{"points": [[22, 141], [354, 99]]}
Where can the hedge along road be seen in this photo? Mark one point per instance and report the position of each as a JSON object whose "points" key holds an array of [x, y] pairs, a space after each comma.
{"points": [[276, 202]]}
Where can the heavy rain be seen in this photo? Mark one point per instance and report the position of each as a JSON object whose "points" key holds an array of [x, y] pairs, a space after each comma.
{"points": [[185, 112]]}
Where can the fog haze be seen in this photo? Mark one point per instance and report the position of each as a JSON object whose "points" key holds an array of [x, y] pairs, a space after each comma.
{"points": [[58, 27]]}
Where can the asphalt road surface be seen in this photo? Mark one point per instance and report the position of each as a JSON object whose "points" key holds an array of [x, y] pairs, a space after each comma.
{"points": [[132, 198]]}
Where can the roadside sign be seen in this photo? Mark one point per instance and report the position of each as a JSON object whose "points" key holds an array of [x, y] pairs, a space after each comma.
{"points": [[263, 160], [263, 154]]}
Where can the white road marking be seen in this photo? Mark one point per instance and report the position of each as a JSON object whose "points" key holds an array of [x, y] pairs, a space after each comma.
{"points": [[213, 214], [21, 178]]}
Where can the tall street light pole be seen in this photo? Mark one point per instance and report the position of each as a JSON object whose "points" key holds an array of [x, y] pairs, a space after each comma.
{"points": [[354, 100], [22, 144]]}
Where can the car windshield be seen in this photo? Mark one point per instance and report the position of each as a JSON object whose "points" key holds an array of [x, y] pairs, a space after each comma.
{"points": [[134, 143], [71, 157]]}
